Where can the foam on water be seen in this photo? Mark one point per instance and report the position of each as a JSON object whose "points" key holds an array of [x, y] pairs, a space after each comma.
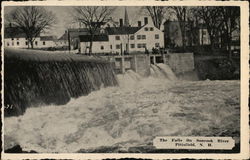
{"points": [[129, 115]]}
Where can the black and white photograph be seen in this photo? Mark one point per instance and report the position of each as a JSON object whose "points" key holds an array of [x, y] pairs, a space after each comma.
{"points": [[123, 79]]}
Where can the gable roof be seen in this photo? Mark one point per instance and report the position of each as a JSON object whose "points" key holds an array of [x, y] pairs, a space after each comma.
{"points": [[64, 37], [122, 30], [87, 38]]}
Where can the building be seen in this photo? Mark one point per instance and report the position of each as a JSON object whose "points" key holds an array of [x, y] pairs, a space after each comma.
{"points": [[15, 38], [123, 39], [196, 34], [71, 38]]}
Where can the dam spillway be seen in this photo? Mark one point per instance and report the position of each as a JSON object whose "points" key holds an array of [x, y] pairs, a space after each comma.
{"points": [[33, 78]]}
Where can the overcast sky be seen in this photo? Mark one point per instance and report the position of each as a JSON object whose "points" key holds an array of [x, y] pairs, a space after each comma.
{"points": [[63, 14]]}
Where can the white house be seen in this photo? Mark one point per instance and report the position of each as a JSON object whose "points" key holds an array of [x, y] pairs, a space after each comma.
{"points": [[14, 38], [124, 39]]}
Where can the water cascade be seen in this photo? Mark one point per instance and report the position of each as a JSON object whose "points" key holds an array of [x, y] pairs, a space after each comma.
{"points": [[161, 70], [32, 78]]}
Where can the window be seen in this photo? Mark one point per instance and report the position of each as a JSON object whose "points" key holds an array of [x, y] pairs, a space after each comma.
{"points": [[132, 37], [26, 43], [138, 36], [117, 37], [8, 44], [157, 36], [110, 46], [139, 45], [102, 47], [143, 37], [151, 28], [146, 28], [132, 45], [17, 43], [43, 42], [17, 38], [36, 43], [157, 44], [204, 32], [12, 39], [117, 46], [144, 45]]}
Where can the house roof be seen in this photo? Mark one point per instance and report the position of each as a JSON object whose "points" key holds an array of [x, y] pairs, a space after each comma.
{"points": [[74, 33], [122, 30], [13, 32], [87, 38], [47, 38]]}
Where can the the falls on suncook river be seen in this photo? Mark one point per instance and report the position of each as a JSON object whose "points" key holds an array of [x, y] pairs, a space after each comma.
{"points": [[126, 118]]}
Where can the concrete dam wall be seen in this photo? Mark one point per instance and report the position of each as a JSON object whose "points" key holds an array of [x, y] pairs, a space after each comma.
{"points": [[179, 62], [33, 78]]}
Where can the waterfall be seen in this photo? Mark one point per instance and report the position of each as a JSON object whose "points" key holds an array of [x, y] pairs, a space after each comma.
{"points": [[32, 78], [161, 70]]}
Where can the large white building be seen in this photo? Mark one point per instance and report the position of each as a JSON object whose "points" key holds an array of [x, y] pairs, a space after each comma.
{"points": [[124, 39], [114, 37]]}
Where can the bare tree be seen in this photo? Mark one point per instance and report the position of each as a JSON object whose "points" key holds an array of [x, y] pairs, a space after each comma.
{"points": [[211, 16], [157, 14], [92, 17], [32, 20], [182, 16], [230, 18]]}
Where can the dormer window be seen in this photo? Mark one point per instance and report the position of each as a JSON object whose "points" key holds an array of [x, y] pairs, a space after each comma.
{"points": [[102, 31], [146, 28], [151, 29]]}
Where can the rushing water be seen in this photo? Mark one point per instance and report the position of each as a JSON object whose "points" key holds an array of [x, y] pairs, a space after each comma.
{"points": [[33, 78], [130, 115]]}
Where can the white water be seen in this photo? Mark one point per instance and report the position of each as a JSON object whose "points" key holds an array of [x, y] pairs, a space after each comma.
{"points": [[129, 115]]}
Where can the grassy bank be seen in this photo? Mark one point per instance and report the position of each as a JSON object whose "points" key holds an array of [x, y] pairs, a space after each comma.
{"points": [[217, 68]]}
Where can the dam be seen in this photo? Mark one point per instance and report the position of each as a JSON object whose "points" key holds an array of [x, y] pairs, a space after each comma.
{"points": [[107, 112]]}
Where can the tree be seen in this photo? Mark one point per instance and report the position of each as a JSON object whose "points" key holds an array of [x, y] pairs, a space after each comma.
{"points": [[31, 20], [212, 19], [92, 17], [182, 16], [230, 18], [157, 14]]}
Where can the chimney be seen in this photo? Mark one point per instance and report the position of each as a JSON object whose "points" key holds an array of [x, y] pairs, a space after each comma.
{"points": [[145, 20], [139, 23], [121, 22]]}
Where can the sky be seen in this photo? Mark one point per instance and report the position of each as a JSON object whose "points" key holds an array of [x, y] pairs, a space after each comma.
{"points": [[64, 18]]}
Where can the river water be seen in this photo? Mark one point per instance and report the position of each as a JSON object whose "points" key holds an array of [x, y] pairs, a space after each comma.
{"points": [[130, 115]]}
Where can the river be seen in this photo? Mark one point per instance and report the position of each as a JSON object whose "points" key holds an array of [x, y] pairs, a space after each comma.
{"points": [[130, 115]]}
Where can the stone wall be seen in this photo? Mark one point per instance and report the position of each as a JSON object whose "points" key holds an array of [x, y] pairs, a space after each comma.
{"points": [[142, 65], [180, 62]]}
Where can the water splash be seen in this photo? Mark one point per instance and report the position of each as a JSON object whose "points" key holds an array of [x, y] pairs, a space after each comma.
{"points": [[130, 115], [161, 70]]}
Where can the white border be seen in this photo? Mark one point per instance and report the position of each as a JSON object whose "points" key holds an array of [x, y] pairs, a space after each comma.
{"points": [[244, 141]]}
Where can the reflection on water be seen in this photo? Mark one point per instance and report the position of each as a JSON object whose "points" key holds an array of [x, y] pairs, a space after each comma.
{"points": [[130, 115]]}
